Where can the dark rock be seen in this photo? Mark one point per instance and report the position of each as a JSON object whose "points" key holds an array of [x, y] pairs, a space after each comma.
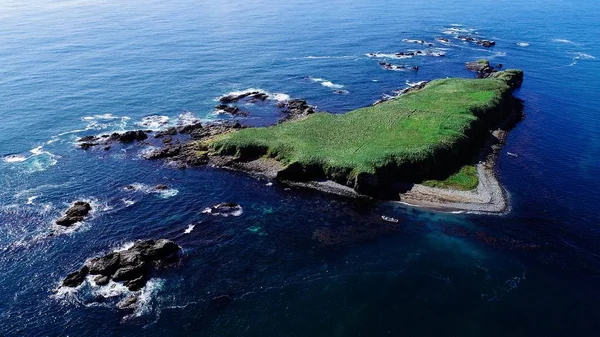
{"points": [[76, 278], [161, 187], [499, 65], [105, 265], [86, 146], [486, 43], [297, 108], [234, 98], [87, 139], [172, 131], [136, 284], [186, 129], [74, 214], [101, 280], [130, 272], [167, 140], [481, 67], [131, 136], [166, 152], [106, 148], [232, 110], [156, 250], [132, 266]]}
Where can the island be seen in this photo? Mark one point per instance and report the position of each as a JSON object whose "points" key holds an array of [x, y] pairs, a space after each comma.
{"points": [[434, 145], [424, 147]]}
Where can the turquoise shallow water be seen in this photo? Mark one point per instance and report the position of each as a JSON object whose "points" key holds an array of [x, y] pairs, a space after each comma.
{"points": [[296, 263]]}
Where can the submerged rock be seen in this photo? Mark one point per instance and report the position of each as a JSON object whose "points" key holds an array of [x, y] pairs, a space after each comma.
{"points": [[232, 110], [74, 214], [131, 266], [224, 209], [128, 302]]}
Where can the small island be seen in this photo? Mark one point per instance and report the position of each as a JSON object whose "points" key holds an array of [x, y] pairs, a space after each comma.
{"points": [[434, 145], [402, 149]]}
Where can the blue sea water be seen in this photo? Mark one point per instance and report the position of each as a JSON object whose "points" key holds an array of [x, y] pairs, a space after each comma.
{"points": [[296, 263]]}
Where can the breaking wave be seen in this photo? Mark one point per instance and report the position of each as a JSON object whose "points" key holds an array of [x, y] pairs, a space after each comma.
{"points": [[326, 83]]}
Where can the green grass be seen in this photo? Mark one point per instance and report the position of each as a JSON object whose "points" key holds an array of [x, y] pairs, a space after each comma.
{"points": [[408, 129], [465, 179]]}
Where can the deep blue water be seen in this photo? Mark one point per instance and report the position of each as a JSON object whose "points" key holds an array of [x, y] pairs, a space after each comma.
{"points": [[74, 68]]}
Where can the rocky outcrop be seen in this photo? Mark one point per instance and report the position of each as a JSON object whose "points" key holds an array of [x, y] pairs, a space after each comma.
{"points": [[132, 266], [481, 67], [484, 43], [295, 109], [76, 213], [105, 140], [231, 110], [232, 98], [192, 154], [389, 66]]}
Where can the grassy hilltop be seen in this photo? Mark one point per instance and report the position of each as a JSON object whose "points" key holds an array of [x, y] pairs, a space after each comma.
{"points": [[425, 134]]}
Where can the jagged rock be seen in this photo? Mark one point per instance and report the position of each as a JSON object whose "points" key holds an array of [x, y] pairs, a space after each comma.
{"points": [[172, 131], [481, 67], [74, 214], [236, 97], [156, 250], [130, 272], [105, 265], [166, 152], [136, 284], [486, 43], [296, 108], [161, 187], [87, 139], [131, 266], [101, 280], [76, 278], [186, 129], [232, 110], [130, 136]]}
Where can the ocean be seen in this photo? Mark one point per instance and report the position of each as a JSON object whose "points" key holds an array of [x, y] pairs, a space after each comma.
{"points": [[296, 262]]}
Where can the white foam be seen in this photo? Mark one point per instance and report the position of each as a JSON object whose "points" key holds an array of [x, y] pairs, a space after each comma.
{"points": [[31, 199], [124, 247], [14, 158], [581, 56], [414, 84], [189, 229], [326, 83], [153, 122], [280, 97], [166, 193], [100, 117], [416, 41], [171, 192], [235, 213], [128, 202], [112, 289], [562, 41], [522, 44], [584, 56], [187, 118], [387, 55]]}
